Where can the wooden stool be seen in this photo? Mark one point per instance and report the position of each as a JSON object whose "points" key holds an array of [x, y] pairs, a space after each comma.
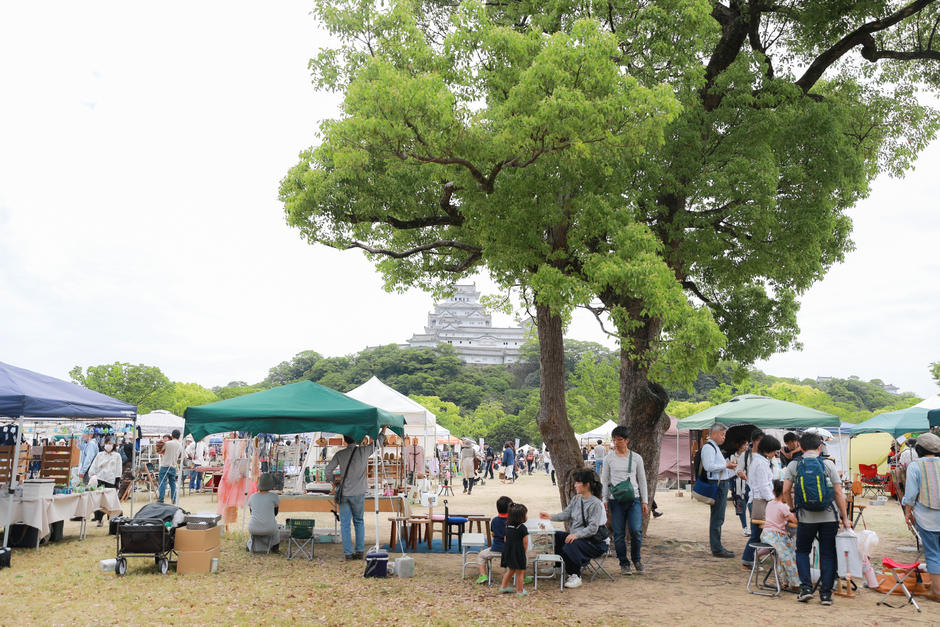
{"points": [[393, 536], [414, 532], [483, 526], [861, 516]]}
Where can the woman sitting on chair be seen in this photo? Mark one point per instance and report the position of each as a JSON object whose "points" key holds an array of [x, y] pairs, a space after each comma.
{"points": [[585, 515], [262, 525]]}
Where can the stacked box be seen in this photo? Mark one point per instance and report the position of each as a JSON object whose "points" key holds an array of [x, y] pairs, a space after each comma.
{"points": [[197, 548]]}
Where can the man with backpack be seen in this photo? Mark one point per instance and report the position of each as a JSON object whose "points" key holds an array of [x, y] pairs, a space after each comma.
{"points": [[819, 505]]}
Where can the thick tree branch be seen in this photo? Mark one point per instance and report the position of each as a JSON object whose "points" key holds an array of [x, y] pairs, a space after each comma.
{"points": [[692, 287], [476, 253], [862, 36]]}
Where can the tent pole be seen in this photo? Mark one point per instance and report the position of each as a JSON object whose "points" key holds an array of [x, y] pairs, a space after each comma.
{"points": [[133, 465], [12, 490]]}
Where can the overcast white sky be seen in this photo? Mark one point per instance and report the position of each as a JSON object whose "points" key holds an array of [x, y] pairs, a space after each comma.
{"points": [[141, 148]]}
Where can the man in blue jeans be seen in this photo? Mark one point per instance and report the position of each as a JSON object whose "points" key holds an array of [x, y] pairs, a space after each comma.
{"points": [[814, 525], [621, 465], [168, 461], [717, 469], [352, 463]]}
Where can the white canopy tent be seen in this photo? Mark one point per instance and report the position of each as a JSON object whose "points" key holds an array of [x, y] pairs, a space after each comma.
{"points": [[159, 422], [600, 433], [419, 422]]}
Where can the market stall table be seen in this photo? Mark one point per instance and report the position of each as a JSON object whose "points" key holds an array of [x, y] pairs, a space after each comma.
{"points": [[324, 503], [42, 511]]}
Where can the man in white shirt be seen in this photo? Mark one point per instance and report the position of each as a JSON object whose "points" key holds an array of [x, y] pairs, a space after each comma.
{"points": [[168, 461], [720, 470], [199, 459]]}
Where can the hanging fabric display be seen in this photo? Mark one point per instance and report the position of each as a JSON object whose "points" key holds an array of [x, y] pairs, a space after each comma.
{"points": [[232, 487]]}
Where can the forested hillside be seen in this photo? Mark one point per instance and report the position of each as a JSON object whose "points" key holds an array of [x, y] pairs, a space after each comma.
{"points": [[497, 402]]}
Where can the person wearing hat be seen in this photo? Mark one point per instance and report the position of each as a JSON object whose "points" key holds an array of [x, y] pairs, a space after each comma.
{"points": [[922, 504], [352, 463], [89, 448], [262, 525]]}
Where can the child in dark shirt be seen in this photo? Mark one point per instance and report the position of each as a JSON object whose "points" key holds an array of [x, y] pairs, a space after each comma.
{"points": [[513, 555], [498, 529]]}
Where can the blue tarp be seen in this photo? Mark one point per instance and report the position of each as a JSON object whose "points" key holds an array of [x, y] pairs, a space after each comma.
{"points": [[33, 395]]}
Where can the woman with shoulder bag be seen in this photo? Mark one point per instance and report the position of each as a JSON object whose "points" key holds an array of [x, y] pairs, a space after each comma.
{"points": [[587, 527], [625, 496], [760, 479]]}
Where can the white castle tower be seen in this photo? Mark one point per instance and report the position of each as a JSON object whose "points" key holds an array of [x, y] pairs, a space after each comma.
{"points": [[462, 322]]}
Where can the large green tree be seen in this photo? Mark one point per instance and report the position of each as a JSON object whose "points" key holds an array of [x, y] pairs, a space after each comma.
{"points": [[472, 135], [935, 371], [144, 386], [529, 137]]}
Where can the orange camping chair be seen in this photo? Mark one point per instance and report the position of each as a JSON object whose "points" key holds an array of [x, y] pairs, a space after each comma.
{"points": [[873, 483]]}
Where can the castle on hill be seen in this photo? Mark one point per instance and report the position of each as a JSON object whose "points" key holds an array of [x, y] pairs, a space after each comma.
{"points": [[463, 322]]}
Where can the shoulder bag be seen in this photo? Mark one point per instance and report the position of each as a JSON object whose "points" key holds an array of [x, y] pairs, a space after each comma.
{"points": [[338, 494], [601, 534], [623, 491], [705, 490]]}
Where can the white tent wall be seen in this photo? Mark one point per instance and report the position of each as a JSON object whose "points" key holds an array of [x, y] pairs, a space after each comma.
{"points": [[419, 422]]}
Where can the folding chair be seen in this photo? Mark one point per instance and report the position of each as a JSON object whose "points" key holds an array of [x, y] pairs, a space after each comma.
{"points": [[251, 548], [553, 560], [906, 570], [473, 543], [596, 565], [759, 560], [872, 483], [301, 538]]}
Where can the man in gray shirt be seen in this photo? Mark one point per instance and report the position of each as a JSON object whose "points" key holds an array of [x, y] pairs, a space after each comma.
{"points": [[813, 525], [168, 461], [353, 464]]}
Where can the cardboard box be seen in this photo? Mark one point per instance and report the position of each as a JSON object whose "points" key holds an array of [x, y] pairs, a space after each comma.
{"points": [[197, 561], [198, 539]]}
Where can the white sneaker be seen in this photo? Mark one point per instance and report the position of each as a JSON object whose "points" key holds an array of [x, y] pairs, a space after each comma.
{"points": [[574, 581], [746, 533]]}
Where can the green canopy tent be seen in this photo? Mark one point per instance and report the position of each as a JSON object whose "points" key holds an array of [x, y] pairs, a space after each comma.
{"points": [[897, 422], [295, 408], [933, 417], [760, 411]]}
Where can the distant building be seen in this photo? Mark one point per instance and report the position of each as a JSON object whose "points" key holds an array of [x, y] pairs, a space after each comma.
{"points": [[892, 389], [823, 379], [462, 322]]}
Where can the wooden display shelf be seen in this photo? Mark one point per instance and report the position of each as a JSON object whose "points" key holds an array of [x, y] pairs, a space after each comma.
{"points": [[6, 463], [57, 462]]}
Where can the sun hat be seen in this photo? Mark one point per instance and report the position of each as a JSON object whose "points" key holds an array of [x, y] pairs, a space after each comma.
{"points": [[265, 482]]}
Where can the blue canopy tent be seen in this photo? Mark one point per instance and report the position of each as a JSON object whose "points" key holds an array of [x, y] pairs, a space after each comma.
{"points": [[27, 394]]}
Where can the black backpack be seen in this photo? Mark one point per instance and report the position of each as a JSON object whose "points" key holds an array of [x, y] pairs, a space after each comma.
{"points": [[697, 462]]}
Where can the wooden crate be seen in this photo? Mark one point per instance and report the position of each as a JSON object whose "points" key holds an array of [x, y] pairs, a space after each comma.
{"points": [[6, 463], [57, 464]]}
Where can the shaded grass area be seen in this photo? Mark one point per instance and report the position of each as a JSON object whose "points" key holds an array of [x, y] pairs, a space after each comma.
{"points": [[684, 585]]}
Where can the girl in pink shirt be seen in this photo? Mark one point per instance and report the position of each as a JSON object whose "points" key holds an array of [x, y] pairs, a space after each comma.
{"points": [[776, 535]]}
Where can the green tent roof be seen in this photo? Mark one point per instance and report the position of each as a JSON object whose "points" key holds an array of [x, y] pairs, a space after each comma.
{"points": [[295, 408], [897, 422], [760, 411]]}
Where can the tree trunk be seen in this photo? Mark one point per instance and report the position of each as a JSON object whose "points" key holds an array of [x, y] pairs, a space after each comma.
{"points": [[642, 410], [552, 420]]}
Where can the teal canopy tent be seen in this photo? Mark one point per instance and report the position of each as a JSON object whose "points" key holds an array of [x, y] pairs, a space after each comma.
{"points": [[933, 417], [760, 411], [295, 408], [897, 422]]}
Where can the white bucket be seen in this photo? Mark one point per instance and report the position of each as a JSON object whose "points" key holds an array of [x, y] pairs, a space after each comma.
{"points": [[405, 567], [108, 566]]}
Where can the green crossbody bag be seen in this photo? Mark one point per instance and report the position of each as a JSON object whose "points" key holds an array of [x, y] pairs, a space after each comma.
{"points": [[623, 491]]}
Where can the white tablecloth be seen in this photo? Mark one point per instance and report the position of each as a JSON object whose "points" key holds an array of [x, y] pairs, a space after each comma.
{"points": [[41, 512]]}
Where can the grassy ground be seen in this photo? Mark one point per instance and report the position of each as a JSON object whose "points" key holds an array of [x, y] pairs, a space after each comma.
{"points": [[62, 585]]}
